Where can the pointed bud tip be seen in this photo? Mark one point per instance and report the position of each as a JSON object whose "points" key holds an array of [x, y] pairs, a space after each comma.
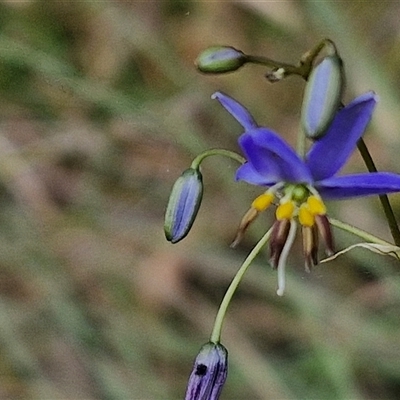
{"points": [[239, 112]]}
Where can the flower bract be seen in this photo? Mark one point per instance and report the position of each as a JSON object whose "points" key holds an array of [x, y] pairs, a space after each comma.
{"points": [[300, 185]]}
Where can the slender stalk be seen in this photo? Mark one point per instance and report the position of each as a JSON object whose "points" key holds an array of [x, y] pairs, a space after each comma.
{"points": [[303, 68], [358, 232], [289, 68], [216, 152], [301, 143], [219, 319]]}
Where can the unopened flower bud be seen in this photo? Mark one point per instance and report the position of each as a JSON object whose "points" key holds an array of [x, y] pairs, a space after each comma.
{"points": [[209, 373], [220, 59], [183, 205], [322, 96]]}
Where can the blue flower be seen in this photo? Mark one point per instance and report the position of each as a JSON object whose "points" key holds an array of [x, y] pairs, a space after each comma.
{"points": [[299, 185]]}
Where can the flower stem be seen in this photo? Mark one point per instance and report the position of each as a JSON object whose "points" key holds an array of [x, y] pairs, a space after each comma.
{"points": [[301, 143], [289, 68], [358, 232], [303, 68], [387, 208], [216, 333], [216, 152]]}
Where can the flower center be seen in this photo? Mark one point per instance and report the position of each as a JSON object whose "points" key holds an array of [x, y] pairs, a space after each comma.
{"points": [[300, 201], [299, 193]]}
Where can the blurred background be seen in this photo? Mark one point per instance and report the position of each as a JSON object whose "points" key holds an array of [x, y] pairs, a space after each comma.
{"points": [[101, 109]]}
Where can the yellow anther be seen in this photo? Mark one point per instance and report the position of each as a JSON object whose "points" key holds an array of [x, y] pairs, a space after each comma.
{"points": [[285, 211], [263, 201], [306, 216], [316, 206]]}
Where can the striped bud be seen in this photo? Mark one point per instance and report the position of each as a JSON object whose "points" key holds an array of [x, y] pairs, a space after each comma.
{"points": [[322, 96], [220, 59], [183, 205], [209, 373]]}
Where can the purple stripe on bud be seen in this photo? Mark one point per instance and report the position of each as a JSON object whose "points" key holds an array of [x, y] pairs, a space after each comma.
{"points": [[209, 373], [183, 205]]}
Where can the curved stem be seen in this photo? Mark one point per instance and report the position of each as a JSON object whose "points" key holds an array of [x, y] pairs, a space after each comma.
{"points": [[219, 319], [216, 152], [303, 68], [289, 68]]}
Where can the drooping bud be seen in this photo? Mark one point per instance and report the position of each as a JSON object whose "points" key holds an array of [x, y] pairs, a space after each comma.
{"points": [[220, 59], [322, 96], [209, 373], [183, 205]]}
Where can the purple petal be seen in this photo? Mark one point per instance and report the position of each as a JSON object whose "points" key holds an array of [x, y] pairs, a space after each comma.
{"points": [[248, 174], [240, 113], [330, 153], [271, 157], [359, 185]]}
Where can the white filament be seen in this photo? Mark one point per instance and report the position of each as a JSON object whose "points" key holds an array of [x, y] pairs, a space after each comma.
{"points": [[284, 256]]}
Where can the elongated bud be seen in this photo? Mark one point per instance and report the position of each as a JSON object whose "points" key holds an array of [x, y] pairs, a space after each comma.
{"points": [[209, 373], [183, 205], [220, 59], [322, 96]]}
